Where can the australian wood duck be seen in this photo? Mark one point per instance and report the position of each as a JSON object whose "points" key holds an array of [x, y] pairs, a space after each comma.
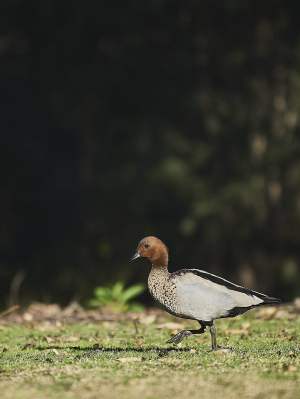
{"points": [[195, 294]]}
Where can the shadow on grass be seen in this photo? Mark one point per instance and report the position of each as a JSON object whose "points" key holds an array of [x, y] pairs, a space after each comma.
{"points": [[101, 349]]}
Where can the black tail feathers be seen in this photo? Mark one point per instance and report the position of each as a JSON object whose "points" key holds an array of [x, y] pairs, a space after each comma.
{"points": [[268, 300]]}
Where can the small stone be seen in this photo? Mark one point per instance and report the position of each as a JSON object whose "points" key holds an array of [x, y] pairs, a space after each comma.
{"points": [[27, 317]]}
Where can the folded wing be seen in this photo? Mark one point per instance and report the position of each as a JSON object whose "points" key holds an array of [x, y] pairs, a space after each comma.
{"points": [[205, 296]]}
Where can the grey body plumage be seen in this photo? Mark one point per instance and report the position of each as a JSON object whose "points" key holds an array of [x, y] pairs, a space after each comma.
{"points": [[199, 295]]}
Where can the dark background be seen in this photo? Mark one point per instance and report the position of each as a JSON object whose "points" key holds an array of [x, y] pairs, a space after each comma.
{"points": [[123, 119]]}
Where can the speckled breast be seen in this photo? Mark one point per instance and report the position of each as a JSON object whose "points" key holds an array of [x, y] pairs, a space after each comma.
{"points": [[163, 290]]}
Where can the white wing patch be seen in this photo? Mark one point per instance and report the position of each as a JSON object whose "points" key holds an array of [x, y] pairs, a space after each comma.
{"points": [[205, 300]]}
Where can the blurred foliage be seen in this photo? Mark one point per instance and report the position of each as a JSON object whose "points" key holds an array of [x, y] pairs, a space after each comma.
{"points": [[179, 119], [117, 298]]}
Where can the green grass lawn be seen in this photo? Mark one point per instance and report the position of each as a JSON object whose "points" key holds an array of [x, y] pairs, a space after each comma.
{"points": [[127, 360]]}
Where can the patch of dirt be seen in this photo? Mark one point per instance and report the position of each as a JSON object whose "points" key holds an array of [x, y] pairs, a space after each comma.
{"points": [[73, 313]]}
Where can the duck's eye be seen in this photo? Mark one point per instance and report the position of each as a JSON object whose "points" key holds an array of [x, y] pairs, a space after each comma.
{"points": [[146, 245]]}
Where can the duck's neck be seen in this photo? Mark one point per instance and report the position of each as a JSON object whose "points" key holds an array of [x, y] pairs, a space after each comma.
{"points": [[159, 271], [160, 260]]}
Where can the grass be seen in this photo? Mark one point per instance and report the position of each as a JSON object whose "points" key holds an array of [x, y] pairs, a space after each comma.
{"points": [[127, 360]]}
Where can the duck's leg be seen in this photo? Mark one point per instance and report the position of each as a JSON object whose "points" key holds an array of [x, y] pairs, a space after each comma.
{"points": [[213, 331], [186, 333], [213, 334]]}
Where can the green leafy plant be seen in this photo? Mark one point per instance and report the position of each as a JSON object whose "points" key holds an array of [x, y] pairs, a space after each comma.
{"points": [[117, 298]]}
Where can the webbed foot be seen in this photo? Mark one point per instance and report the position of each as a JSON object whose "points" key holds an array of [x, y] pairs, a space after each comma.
{"points": [[179, 337]]}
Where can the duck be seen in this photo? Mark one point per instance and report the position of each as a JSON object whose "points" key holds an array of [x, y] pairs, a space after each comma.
{"points": [[195, 294]]}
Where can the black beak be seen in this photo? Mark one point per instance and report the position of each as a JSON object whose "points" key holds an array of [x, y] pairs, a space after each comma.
{"points": [[135, 256]]}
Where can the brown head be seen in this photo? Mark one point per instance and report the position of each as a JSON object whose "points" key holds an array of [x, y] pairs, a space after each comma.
{"points": [[153, 249]]}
